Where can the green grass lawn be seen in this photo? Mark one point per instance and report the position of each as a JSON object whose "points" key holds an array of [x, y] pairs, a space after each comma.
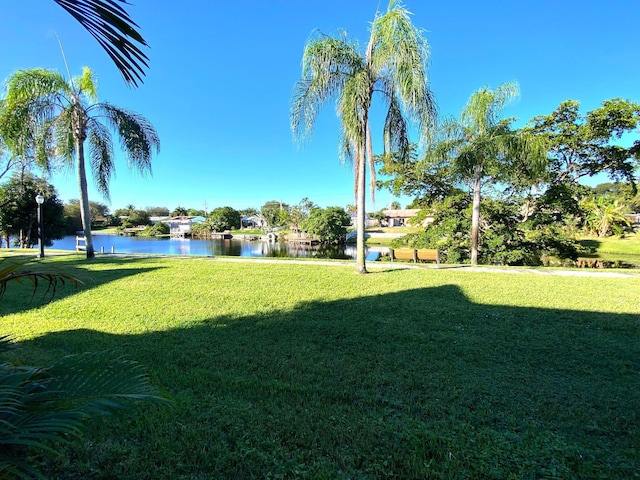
{"points": [[283, 370], [628, 244]]}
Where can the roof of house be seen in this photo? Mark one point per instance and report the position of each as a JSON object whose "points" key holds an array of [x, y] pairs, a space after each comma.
{"points": [[183, 218], [403, 213]]}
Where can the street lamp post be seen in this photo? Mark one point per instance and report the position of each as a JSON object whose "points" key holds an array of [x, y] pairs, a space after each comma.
{"points": [[40, 201]]}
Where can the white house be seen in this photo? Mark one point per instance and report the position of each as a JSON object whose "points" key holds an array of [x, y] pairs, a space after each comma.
{"points": [[399, 218], [253, 221], [181, 226]]}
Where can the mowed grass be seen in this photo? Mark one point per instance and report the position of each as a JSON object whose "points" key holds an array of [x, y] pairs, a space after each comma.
{"points": [[628, 244], [282, 370]]}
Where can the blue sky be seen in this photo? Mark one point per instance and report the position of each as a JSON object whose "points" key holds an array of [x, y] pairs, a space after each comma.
{"points": [[221, 75]]}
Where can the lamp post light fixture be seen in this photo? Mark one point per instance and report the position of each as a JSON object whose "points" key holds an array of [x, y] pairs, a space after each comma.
{"points": [[40, 201]]}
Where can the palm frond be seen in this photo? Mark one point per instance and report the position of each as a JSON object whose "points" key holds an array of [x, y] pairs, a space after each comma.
{"points": [[41, 405], [61, 128], [10, 272], [399, 58], [25, 85], [396, 135], [115, 31], [137, 135], [86, 84], [354, 104], [101, 155], [327, 64], [485, 106]]}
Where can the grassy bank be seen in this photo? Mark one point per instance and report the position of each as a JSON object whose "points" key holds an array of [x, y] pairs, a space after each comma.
{"points": [[306, 371], [626, 245]]}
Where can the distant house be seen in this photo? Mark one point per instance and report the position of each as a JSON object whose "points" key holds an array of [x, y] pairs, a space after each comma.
{"points": [[400, 218], [634, 219], [253, 221], [181, 226], [369, 222], [155, 220]]}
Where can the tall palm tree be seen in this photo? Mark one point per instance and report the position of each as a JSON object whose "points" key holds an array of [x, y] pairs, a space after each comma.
{"points": [[393, 65], [66, 115], [482, 146], [115, 31]]}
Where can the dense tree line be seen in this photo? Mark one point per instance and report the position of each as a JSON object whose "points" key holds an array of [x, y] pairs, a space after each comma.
{"points": [[537, 205]]}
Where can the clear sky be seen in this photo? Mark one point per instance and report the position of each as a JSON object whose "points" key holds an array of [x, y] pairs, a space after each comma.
{"points": [[221, 74]]}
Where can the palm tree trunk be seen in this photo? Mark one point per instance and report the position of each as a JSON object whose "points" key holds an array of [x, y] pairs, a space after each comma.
{"points": [[84, 200], [475, 216], [361, 213]]}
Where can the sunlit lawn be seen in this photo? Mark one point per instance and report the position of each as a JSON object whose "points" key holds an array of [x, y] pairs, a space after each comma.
{"points": [[628, 244], [283, 370]]}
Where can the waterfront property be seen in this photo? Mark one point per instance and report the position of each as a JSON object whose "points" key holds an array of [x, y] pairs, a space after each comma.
{"points": [[242, 246], [401, 218], [181, 226]]}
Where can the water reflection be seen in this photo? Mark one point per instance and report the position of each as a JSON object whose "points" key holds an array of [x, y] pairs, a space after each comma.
{"points": [[214, 247]]}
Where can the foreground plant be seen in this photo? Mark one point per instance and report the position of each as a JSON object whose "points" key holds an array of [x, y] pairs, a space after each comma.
{"points": [[42, 406], [115, 31]]}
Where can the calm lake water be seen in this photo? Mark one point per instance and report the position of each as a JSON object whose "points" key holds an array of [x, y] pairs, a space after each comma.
{"points": [[187, 246]]}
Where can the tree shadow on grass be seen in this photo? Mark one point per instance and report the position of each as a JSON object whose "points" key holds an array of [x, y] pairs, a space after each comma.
{"points": [[591, 244], [417, 384], [22, 296]]}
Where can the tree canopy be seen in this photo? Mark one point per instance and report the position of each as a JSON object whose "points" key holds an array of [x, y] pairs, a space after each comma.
{"points": [[55, 117], [18, 210]]}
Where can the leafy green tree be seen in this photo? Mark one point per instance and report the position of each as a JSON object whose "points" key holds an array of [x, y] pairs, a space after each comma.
{"points": [[179, 212], [379, 216], [624, 192], [449, 231], [202, 229], [248, 211], [585, 145], [482, 148], [224, 218], [193, 212], [157, 229], [121, 212], [428, 178], [7, 161], [158, 211], [300, 212], [60, 116], [73, 218], [394, 64], [137, 218], [329, 225], [18, 210], [505, 238], [275, 213]]}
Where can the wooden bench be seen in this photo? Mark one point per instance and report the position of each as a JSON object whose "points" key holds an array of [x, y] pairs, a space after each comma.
{"points": [[428, 255], [415, 254]]}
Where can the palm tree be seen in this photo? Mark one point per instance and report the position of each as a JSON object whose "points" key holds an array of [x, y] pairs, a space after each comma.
{"points": [[605, 216], [67, 115], [481, 146], [114, 30], [394, 65]]}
